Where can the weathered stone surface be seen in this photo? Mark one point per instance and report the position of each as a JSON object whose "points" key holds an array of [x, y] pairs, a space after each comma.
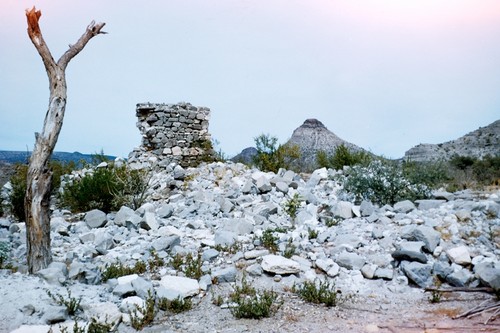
{"points": [[366, 208], [460, 278], [343, 210], [263, 185], [488, 274], [225, 238], [350, 260], [225, 274], [125, 214], [184, 287], [427, 235], [166, 243], [429, 204], [404, 206], [410, 251], [459, 255], [279, 265], [95, 218], [418, 273]]}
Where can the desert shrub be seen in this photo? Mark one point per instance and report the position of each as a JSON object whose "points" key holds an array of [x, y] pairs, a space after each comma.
{"points": [[341, 157], [193, 266], [177, 305], [72, 304], [93, 191], [4, 253], [272, 156], [118, 269], [318, 292], [132, 187], [381, 183], [99, 327], [431, 174], [252, 303], [290, 249], [269, 240], [487, 170], [292, 205], [462, 162], [107, 189], [469, 172], [143, 316], [18, 182]]}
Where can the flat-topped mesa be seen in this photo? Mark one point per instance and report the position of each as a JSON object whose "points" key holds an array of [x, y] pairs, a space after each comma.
{"points": [[172, 133]]}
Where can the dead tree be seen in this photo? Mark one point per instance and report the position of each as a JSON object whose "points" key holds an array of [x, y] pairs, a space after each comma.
{"points": [[39, 180]]}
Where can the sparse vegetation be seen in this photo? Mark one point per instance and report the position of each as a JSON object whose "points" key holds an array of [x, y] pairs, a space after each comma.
{"points": [[191, 266], [118, 269], [321, 292], [269, 240], [97, 327], [290, 249], [292, 205], [72, 304], [253, 304], [143, 316], [313, 234], [4, 254], [18, 182], [177, 305]]}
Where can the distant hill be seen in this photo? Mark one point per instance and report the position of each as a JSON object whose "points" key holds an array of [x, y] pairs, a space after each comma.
{"points": [[246, 156], [13, 157], [479, 143], [311, 137]]}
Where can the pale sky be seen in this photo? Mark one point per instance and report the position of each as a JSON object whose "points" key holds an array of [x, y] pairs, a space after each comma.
{"points": [[383, 74]]}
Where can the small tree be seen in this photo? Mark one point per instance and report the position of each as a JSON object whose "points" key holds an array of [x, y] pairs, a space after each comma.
{"points": [[39, 179], [271, 156]]}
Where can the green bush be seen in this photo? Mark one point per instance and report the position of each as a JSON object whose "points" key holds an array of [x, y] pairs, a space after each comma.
{"points": [[4, 253], [18, 182], [431, 174], [292, 205], [271, 156], [269, 240], [107, 189], [470, 172], [72, 304], [118, 269], [342, 156], [252, 303], [143, 316], [93, 191], [382, 183], [318, 293], [177, 305]]}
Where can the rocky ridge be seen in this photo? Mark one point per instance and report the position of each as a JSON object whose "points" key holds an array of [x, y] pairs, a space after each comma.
{"points": [[479, 143], [375, 253]]}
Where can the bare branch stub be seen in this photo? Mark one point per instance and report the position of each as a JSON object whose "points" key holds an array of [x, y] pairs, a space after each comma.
{"points": [[33, 16]]}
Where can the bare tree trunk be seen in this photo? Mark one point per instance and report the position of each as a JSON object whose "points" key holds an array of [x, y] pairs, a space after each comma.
{"points": [[39, 181]]}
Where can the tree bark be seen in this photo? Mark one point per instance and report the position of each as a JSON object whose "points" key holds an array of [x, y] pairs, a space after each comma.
{"points": [[39, 179]]}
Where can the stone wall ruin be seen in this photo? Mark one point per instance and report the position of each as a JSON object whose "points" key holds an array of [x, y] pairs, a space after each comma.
{"points": [[172, 133]]}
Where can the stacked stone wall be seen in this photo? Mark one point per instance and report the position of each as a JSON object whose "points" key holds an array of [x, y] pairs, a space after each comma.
{"points": [[173, 133]]}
